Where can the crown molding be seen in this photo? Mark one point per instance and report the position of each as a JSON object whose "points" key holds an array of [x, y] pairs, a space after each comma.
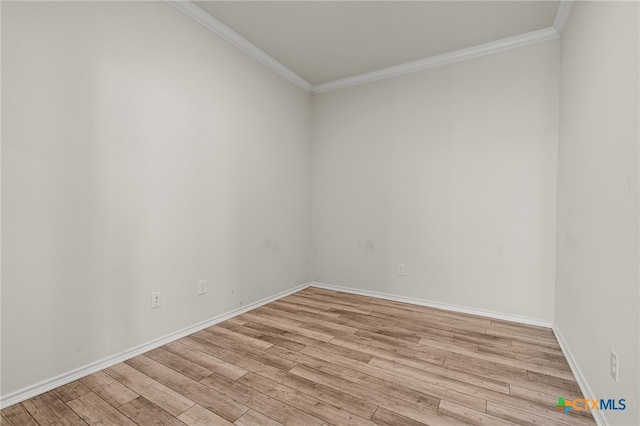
{"points": [[205, 19], [446, 58], [561, 15]]}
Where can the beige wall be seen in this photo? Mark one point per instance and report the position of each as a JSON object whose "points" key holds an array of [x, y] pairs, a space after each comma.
{"points": [[597, 287], [140, 153], [449, 171]]}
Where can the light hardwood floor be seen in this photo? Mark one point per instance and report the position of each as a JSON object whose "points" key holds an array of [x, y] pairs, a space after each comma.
{"points": [[324, 357]]}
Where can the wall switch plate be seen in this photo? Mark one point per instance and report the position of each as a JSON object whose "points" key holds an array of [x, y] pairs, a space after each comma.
{"points": [[401, 269], [614, 365], [155, 300], [202, 287]]}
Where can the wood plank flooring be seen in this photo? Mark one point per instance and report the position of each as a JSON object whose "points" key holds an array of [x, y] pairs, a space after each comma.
{"points": [[321, 357]]}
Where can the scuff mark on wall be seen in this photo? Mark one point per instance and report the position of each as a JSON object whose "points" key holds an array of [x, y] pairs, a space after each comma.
{"points": [[271, 246], [367, 247]]}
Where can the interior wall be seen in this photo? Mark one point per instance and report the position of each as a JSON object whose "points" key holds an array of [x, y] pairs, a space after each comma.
{"points": [[141, 153], [449, 171], [597, 284], [148, 154]]}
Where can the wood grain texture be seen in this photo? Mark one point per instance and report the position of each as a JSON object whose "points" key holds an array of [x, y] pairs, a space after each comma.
{"points": [[157, 393], [253, 418], [96, 411], [17, 415], [109, 389], [143, 412], [200, 416], [48, 409], [321, 357]]}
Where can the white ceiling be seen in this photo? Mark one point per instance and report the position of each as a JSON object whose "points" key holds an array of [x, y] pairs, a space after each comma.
{"points": [[324, 41]]}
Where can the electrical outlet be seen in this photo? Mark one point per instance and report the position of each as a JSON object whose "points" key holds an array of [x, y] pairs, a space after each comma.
{"points": [[401, 269], [155, 300], [202, 287], [614, 365]]}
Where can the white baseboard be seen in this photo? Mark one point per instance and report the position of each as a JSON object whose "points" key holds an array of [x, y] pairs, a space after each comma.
{"points": [[598, 415], [78, 373], [63, 379], [438, 305]]}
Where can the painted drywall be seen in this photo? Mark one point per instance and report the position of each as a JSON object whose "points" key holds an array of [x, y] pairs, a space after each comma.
{"points": [[449, 171], [597, 288], [140, 153]]}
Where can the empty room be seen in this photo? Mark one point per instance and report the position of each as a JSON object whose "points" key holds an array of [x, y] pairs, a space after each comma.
{"points": [[320, 213]]}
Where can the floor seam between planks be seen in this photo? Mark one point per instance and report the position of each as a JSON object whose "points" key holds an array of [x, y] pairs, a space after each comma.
{"points": [[325, 357]]}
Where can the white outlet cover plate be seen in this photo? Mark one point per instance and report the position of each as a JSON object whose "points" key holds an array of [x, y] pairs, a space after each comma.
{"points": [[614, 365], [155, 300]]}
